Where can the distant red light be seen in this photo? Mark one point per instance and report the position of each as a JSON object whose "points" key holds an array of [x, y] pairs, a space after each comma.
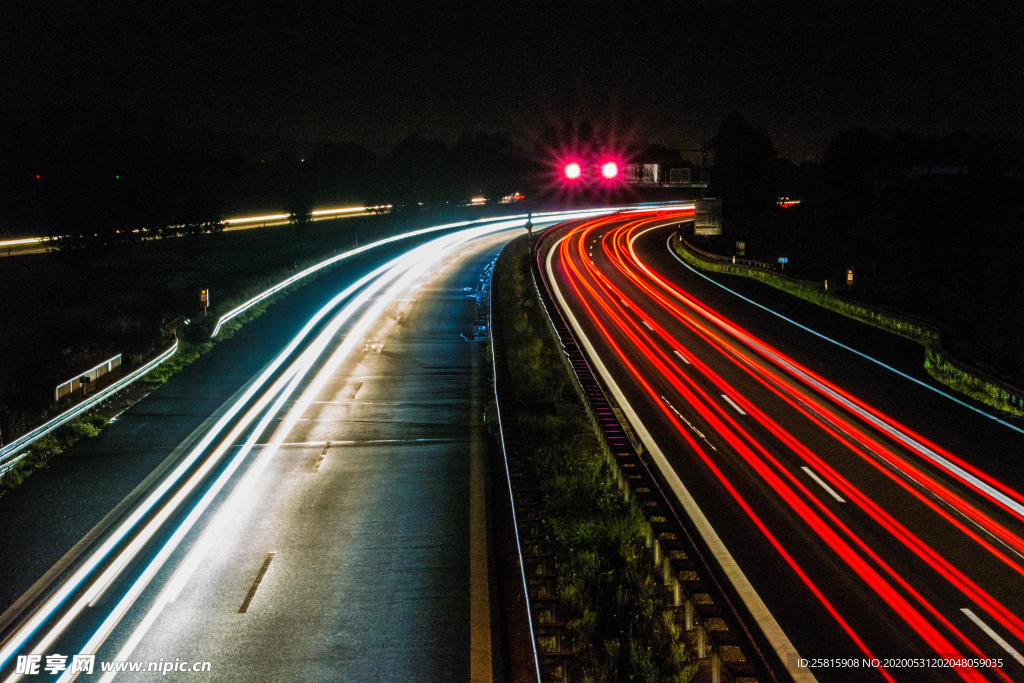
{"points": [[610, 170], [573, 171], [37, 176]]}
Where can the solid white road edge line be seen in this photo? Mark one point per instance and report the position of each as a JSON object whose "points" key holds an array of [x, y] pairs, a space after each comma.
{"points": [[765, 621]]}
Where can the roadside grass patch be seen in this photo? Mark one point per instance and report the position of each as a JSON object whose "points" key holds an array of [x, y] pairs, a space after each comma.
{"points": [[618, 625]]}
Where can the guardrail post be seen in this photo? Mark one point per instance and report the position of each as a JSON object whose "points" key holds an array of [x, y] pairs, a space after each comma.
{"points": [[688, 614], [677, 593], [666, 570], [716, 668], [702, 644]]}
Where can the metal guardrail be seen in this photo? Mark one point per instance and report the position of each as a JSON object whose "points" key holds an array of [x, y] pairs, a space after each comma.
{"points": [[501, 381], [718, 258], [12, 452]]}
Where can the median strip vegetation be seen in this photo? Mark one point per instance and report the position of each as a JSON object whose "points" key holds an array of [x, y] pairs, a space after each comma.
{"points": [[48, 447], [618, 626]]}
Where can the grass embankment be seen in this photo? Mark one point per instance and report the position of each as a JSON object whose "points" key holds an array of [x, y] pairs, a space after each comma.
{"points": [[619, 627], [938, 363], [47, 447]]}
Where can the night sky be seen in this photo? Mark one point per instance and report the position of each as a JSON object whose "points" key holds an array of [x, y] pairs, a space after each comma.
{"points": [[659, 72]]}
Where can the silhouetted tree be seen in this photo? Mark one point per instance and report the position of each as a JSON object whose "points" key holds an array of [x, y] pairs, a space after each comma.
{"points": [[743, 175]]}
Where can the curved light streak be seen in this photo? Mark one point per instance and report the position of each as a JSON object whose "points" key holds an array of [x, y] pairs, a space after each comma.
{"points": [[591, 285]]}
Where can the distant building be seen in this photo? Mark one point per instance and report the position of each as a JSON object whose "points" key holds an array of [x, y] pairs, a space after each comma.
{"points": [[653, 175]]}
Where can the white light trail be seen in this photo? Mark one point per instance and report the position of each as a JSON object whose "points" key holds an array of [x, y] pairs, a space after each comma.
{"points": [[414, 263], [303, 365], [49, 608]]}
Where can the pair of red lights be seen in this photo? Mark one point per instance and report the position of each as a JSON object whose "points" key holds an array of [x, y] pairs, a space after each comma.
{"points": [[574, 171]]}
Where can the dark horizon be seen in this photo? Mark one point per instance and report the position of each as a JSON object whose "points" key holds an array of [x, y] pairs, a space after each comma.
{"points": [[375, 74]]}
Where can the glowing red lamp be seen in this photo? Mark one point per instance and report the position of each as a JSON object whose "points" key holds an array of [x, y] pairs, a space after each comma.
{"points": [[609, 170], [572, 171]]}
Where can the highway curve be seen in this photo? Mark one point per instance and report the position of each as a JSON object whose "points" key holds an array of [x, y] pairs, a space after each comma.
{"points": [[872, 527]]}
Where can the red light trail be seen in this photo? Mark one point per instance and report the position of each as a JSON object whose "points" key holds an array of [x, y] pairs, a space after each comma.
{"points": [[929, 473]]}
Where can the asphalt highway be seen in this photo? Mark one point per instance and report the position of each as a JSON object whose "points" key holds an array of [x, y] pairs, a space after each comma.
{"points": [[871, 526], [373, 509], [327, 520]]}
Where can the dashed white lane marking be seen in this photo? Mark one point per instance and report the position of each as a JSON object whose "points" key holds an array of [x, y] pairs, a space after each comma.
{"points": [[688, 423], [308, 444], [256, 584], [681, 356], [733, 404], [993, 635], [811, 473], [647, 325], [320, 460]]}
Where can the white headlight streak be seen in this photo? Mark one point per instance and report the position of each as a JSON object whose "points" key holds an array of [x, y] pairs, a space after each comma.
{"points": [[258, 402]]}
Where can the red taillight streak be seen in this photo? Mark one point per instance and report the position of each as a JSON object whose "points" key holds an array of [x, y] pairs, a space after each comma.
{"points": [[938, 489], [985, 601], [892, 597], [825, 426], [719, 475], [768, 351], [922, 550], [782, 435]]}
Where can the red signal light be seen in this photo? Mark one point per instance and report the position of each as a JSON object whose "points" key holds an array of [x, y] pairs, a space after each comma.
{"points": [[573, 171], [609, 170]]}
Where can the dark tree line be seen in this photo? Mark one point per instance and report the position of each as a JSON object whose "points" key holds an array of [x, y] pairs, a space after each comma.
{"points": [[121, 182], [112, 183], [930, 224]]}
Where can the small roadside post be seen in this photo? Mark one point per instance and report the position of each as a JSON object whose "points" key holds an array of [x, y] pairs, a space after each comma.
{"points": [[849, 278], [204, 303], [783, 260]]}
